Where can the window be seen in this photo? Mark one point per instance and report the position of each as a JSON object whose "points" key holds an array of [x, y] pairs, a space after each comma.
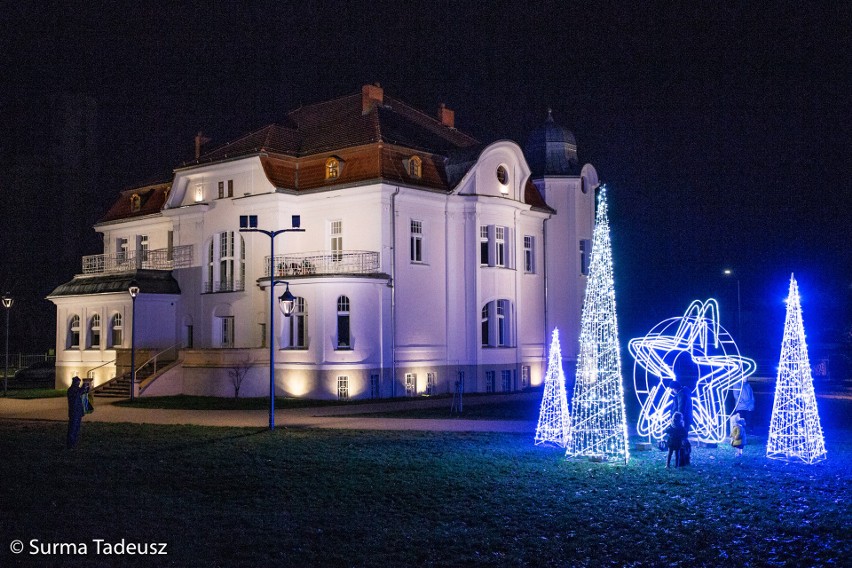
{"points": [[525, 376], [415, 167], [336, 240], [416, 241], [490, 379], [529, 254], [299, 325], [117, 330], [199, 192], [506, 379], [431, 387], [143, 247], [226, 324], [500, 246], [226, 268], [121, 250], [585, 256], [262, 335], [74, 332], [483, 246], [135, 202], [221, 189], [189, 338], [501, 322], [486, 336], [230, 188], [343, 340], [497, 324], [343, 387], [230, 192], [410, 384], [95, 331], [503, 178], [332, 168]]}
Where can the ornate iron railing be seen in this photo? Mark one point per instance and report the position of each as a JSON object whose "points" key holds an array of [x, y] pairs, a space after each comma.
{"points": [[224, 286], [318, 263], [158, 259]]}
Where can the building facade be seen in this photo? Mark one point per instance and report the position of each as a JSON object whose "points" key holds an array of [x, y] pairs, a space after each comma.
{"points": [[427, 260]]}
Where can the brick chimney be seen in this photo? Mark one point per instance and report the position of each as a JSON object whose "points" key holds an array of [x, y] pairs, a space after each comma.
{"points": [[446, 116], [371, 95]]}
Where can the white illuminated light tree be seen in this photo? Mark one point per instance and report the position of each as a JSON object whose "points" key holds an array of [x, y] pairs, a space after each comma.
{"points": [[553, 419], [598, 418], [795, 433]]}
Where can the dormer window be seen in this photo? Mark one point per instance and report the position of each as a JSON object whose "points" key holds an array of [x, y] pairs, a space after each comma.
{"points": [[414, 167], [135, 203], [332, 168]]}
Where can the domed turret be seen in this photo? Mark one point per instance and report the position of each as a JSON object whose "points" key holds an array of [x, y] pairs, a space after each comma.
{"points": [[551, 150]]}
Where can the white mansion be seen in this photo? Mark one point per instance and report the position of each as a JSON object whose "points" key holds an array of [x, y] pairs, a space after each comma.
{"points": [[426, 258]]}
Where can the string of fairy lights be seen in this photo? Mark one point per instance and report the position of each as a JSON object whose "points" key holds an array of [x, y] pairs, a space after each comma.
{"points": [[553, 419]]}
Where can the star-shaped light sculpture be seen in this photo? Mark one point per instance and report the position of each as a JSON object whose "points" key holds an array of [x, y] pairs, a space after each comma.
{"points": [[697, 346]]}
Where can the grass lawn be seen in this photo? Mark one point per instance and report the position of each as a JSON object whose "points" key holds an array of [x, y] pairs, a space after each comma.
{"points": [[300, 497], [36, 393]]}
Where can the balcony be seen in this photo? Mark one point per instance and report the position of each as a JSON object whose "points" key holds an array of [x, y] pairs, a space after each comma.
{"points": [[159, 259], [325, 263], [224, 286]]}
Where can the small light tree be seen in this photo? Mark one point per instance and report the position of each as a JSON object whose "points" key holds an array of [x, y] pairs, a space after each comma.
{"points": [[553, 418], [598, 417], [238, 373], [795, 432]]}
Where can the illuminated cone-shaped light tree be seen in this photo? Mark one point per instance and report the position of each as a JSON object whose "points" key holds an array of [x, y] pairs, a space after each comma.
{"points": [[598, 418], [553, 420], [795, 432]]}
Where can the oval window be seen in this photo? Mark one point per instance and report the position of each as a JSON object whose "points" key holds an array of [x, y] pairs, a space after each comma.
{"points": [[502, 175]]}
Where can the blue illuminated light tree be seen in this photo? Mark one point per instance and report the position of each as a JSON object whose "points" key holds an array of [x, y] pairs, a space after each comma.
{"points": [[598, 417], [553, 420], [795, 433]]}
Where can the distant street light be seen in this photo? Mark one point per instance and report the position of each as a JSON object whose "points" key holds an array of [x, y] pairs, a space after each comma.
{"points": [[729, 272], [248, 224], [133, 291], [7, 303]]}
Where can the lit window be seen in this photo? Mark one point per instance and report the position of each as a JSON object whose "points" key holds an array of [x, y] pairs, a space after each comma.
{"points": [[135, 202], [416, 241], [199, 192], [332, 168], [415, 167], [431, 386], [95, 331], [221, 189], [74, 332], [529, 254], [337, 241], [343, 339], [410, 384], [298, 322], [117, 330]]}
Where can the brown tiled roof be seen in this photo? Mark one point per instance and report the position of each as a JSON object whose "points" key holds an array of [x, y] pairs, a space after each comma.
{"points": [[151, 200]]}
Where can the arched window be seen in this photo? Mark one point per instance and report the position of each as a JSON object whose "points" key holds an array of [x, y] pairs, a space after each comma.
{"points": [[73, 341], [332, 168], [95, 331], [497, 324], [298, 322], [343, 339], [116, 329], [415, 167], [226, 263]]}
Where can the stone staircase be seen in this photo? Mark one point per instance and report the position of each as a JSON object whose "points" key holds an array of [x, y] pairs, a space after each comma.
{"points": [[119, 387]]}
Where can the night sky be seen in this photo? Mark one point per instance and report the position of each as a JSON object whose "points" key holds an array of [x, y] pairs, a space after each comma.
{"points": [[722, 130]]}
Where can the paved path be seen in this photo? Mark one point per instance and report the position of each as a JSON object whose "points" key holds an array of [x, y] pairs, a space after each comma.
{"points": [[337, 417]]}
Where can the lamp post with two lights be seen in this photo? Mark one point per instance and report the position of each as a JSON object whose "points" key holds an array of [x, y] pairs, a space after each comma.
{"points": [[7, 303], [133, 290]]}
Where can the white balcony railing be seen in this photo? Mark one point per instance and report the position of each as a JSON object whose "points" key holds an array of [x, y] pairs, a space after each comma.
{"points": [[159, 259], [318, 263]]}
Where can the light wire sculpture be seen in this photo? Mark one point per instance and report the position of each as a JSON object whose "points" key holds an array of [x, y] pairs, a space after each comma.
{"points": [[795, 432], [598, 416], [697, 345], [553, 420]]}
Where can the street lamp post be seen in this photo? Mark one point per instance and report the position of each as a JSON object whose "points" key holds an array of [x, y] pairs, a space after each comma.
{"points": [[729, 272], [133, 291], [248, 224], [7, 303]]}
